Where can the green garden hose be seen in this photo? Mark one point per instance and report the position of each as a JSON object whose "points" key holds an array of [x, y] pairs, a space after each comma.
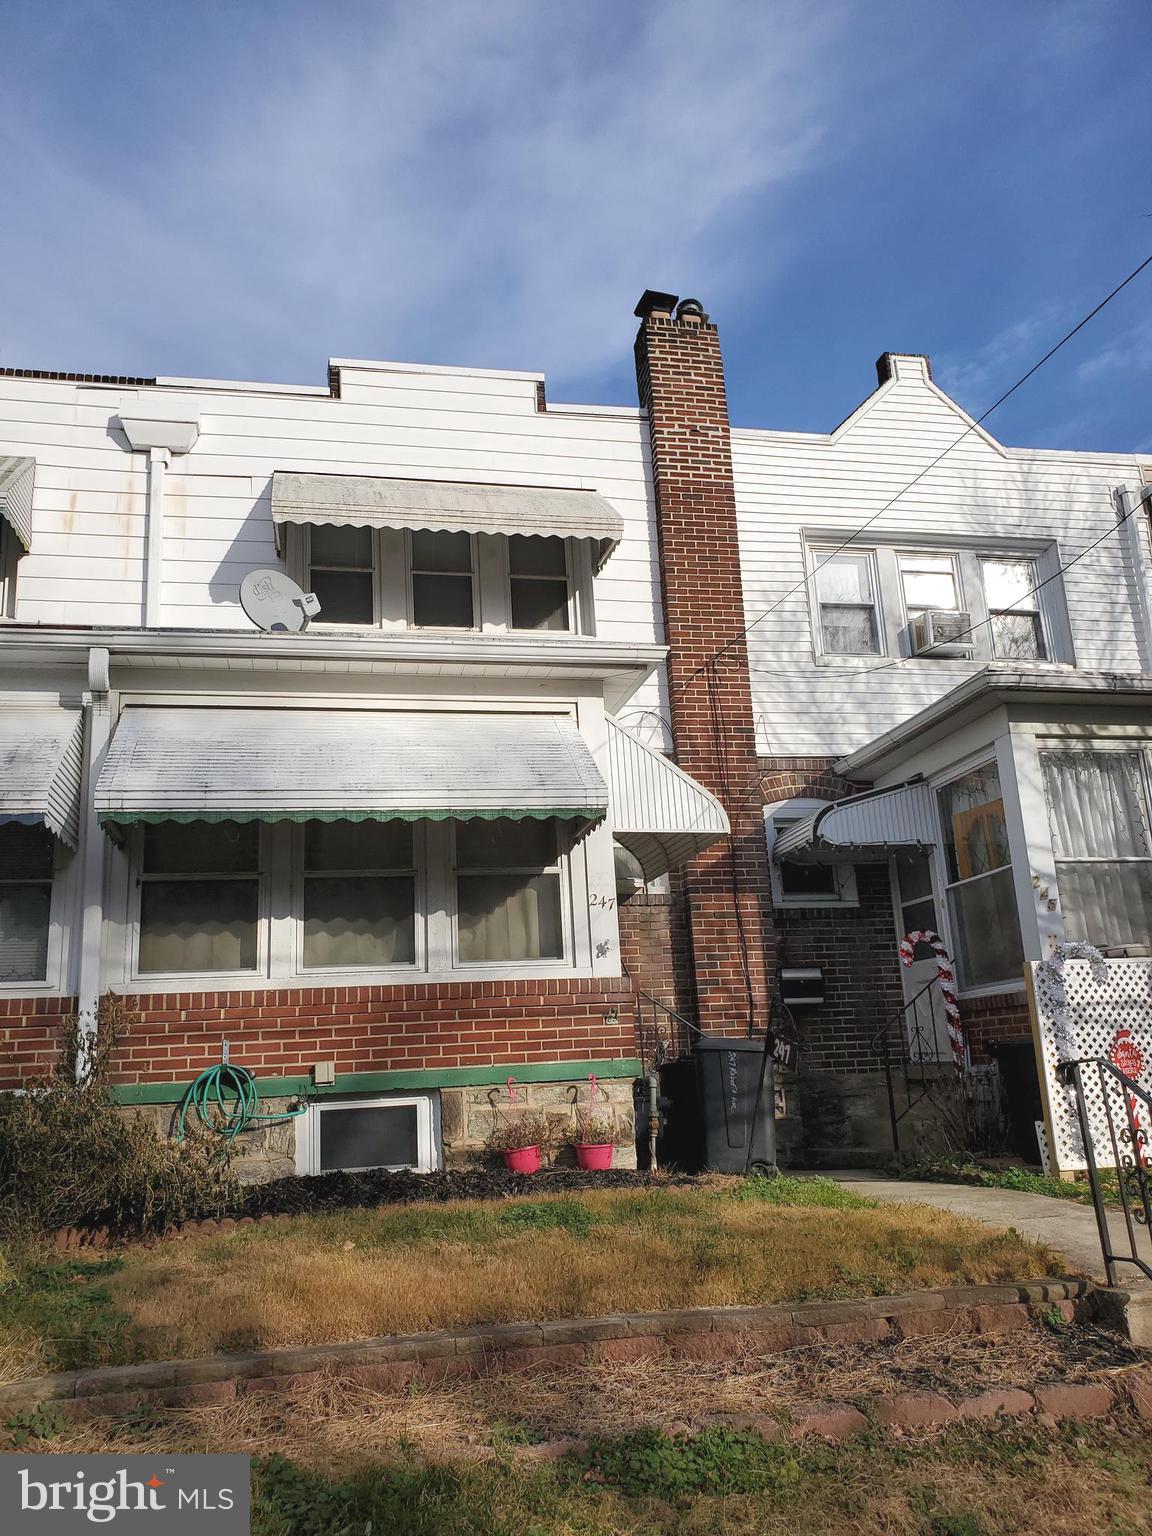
{"points": [[226, 1100]]}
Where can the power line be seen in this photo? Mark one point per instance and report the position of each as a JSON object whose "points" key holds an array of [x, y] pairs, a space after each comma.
{"points": [[972, 426]]}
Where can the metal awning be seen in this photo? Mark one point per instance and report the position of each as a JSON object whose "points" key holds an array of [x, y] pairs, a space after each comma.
{"points": [[16, 480], [345, 765], [659, 814], [41, 762], [862, 829], [445, 506]]}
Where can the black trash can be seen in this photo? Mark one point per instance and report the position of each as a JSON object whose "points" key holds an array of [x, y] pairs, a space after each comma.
{"points": [[1016, 1060], [729, 1071]]}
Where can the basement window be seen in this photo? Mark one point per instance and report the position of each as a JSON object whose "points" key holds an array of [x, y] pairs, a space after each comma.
{"points": [[356, 1134]]}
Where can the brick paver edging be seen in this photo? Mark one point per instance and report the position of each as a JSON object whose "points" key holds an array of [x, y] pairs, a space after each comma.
{"points": [[702, 1333]]}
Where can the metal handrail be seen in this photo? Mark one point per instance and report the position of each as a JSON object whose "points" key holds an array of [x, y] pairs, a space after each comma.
{"points": [[660, 1054], [917, 1053], [1133, 1164]]}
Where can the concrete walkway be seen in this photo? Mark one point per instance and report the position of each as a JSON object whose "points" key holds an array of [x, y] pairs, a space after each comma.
{"points": [[1065, 1225]]}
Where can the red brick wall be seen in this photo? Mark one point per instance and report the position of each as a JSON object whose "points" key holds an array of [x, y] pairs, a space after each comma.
{"points": [[656, 953], [1002, 1017], [680, 375], [377, 1029], [30, 1036], [854, 946]]}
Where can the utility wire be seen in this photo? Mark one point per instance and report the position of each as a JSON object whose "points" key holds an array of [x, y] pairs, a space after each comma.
{"points": [[995, 406]]}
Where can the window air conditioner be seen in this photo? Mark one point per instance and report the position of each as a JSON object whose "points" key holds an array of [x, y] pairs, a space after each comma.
{"points": [[942, 632]]}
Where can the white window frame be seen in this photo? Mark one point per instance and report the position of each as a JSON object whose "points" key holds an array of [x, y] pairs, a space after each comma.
{"points": [[183, 981], [403, 970], [1043, 618], [1142, 749], [491, 584], [307, 1129], [894, 619], [910, 614], [49, 983], [795, 810], [409, 591], [510, 578], [561, 868], [942, 884], [377, 605], [819, 557]]}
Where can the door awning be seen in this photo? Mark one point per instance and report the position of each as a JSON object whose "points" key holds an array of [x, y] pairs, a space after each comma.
{"points": [[41, 760], [862, 829], [659, 814], [445, 506], [16, 479], [345, 765]]}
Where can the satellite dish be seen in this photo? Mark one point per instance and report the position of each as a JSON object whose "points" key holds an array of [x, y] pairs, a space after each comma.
{"points": [[274, 602]]}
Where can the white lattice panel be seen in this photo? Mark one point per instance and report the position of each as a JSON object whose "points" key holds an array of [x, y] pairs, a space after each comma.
{"points": [[1085, 1010]]}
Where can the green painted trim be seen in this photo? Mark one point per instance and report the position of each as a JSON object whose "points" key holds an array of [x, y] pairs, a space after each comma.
{"points": [[384, 1082], [510, 813]]}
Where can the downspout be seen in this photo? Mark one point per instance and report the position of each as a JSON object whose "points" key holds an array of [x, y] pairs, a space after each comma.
{"points": [[158, 461], [159, 435], [93, 846]]}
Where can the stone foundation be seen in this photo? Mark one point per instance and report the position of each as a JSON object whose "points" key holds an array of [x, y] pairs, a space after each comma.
{"points": [[466, 1117]]}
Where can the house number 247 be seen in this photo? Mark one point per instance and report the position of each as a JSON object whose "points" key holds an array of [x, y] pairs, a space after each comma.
{"points": [[602, 901]]}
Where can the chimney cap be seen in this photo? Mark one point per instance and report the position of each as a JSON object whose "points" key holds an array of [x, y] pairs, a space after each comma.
{"points": [[652, 299]]}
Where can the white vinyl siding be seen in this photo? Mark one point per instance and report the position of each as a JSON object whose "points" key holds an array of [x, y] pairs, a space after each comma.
{"points": [[796, 492]]}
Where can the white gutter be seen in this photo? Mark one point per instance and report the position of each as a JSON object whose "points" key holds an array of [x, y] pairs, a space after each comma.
{"points": [[160, 437]]}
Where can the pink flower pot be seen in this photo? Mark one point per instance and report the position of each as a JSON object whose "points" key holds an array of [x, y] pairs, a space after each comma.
{"points": [[523, 1160], [594, 1154]]}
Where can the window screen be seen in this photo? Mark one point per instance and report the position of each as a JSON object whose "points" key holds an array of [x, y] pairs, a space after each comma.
{"points": [[442, 580], [200, 897], [538, 574], [25, 902], [342, 573]]}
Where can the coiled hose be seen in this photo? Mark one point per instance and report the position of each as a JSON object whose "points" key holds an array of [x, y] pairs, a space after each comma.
{"points": [[226, 1099]]}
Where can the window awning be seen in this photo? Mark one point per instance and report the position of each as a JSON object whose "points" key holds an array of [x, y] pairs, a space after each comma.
{"points": [[659, 814], [16, 479], [41, 761], [445, 506], [862, 829], [345, 765]]}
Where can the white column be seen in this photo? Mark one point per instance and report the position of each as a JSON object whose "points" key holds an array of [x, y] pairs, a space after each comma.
{"points": [[158, 462], [1030, 842], [92, 853], [597, 890]]}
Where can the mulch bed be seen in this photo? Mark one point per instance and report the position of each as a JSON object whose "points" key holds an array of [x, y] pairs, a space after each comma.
{"points": [[341, 1191]]}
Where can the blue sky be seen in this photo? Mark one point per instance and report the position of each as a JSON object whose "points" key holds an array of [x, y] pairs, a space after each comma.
{"points": [[244, 189]]}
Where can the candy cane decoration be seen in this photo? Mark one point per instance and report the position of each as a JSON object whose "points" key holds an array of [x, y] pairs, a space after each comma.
{"points": [[946, 976]]}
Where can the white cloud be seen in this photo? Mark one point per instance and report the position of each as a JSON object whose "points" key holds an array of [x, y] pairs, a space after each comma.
{"points": [[484, 181], [1130, 352], [975, 379]]}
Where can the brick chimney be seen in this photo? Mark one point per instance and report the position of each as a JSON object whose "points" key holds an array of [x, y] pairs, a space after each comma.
{"points": [[680, 374]]}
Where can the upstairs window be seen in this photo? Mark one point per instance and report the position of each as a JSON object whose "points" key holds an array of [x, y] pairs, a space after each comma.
{"points": [[1014, 609], [200, 898], [538, 580], [342, 573], [928, 581], [26, 859], [846, 592], [442, 580], [508, 891]]}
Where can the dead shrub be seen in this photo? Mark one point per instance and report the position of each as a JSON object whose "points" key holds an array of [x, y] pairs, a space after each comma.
{"points": [[70, 1156]]}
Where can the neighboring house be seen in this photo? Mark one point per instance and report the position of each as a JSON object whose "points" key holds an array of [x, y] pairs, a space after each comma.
{"points": [[436, 841]]}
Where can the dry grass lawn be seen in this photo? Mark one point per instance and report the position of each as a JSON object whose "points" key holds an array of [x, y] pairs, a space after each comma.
{"points": [[352, 1275]]}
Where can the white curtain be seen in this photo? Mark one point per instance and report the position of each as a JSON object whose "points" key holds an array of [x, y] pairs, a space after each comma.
{"points": [[24, 915], [509, 917], [1096, 801]]}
